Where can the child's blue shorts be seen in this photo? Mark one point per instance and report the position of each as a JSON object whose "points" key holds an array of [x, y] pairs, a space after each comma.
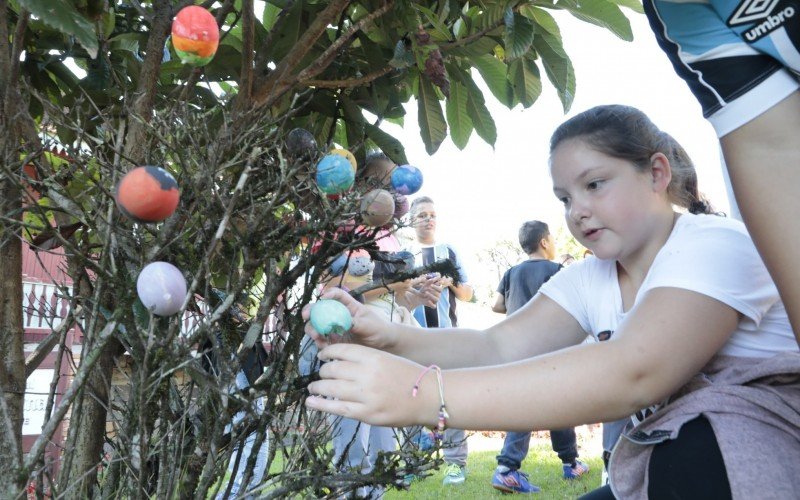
{"points": [[739, 57]]}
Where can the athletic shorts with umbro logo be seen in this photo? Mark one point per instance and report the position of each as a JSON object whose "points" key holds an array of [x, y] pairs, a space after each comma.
{"points": [[739, 58]]}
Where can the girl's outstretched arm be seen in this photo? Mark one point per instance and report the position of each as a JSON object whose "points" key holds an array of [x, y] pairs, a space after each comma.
{"points": [[539, 327], [665, 340]]}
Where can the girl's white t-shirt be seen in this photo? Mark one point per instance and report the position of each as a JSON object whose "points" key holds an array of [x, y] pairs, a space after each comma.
{"points": [[707, 254]]}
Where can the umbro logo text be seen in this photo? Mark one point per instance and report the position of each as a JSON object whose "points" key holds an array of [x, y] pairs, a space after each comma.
{"points": [[763, 12], [769, 25]]}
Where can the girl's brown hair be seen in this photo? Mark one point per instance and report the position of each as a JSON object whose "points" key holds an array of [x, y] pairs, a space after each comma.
{"points": [[625, 132]]}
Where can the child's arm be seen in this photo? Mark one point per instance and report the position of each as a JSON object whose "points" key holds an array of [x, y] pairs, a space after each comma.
{"points": [[463, 291], [540, 326], [499, 304], [665, 340]]}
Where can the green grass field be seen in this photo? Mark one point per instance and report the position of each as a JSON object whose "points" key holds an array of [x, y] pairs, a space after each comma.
{"points": [[542, 465]]}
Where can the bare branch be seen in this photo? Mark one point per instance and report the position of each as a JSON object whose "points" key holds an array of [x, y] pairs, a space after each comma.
{"points": [[78, 382], [352, 82], [264, 91], [324, 60], [46, 346], [19, 37], [248, 42], [262, 57], [148, 78], [5, 52], [471, 38]]}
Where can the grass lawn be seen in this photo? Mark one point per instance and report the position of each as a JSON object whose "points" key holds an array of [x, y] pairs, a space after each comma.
{"points": [[542, 465]]}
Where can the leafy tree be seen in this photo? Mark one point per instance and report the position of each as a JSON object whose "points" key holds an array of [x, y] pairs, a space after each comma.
{"points": [[566, 243], [337, 68], [502, 255]]}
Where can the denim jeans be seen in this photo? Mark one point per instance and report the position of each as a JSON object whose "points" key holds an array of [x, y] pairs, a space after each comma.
{"points": [[261, 459], [356, 445], [516, 444]]}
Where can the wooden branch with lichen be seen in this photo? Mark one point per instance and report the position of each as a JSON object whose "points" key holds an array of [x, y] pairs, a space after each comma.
{"points": [[350, 83]]}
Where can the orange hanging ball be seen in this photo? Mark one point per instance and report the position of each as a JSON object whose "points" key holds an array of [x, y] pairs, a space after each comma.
{"points": [[147, 194], [195, 35]]}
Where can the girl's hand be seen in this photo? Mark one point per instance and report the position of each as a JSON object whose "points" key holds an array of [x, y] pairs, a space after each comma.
{"points": [[369, 327], [446, 282], [428, 289], [373, 386], [417, 292]]}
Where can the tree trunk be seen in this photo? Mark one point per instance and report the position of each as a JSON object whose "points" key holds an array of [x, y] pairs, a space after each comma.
{"points": [[12, 362], [89, 426]]}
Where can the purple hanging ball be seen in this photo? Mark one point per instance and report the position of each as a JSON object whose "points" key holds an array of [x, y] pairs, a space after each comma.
{"points": [[401, 205], [161, 288]]}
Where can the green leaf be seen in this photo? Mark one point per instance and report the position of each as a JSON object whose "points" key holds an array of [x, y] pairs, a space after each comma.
{"points": [[481, 118], [402, 57], [62, 15], [141, 315], [270, 15], [389, 145], [518, 35], [288, 32], [354, 119], [558, 67], [109, 21], [542, 18], [126, 41], [492, 15], [634, 5], [480, 47], [601, 13], [440, 31], [493, 71], [526, 81], [457, 117], [340, 134], [432, 126]]}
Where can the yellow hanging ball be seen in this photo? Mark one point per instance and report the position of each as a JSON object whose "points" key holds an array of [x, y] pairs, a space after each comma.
{"points": [[347, 154]]}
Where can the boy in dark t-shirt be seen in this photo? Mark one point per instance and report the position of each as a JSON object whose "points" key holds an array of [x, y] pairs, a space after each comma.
{"points": [[517, 288]]}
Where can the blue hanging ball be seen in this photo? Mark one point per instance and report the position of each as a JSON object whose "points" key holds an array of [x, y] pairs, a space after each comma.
{"points": [[406, 179], [335, 175], [330, 316]]}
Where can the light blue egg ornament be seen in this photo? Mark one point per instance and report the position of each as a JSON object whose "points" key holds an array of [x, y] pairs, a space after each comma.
{"points": [[335, 175], [330, 317]]}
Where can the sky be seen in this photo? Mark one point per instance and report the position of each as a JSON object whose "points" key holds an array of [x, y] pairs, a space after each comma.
{"points": [[483, 195]]}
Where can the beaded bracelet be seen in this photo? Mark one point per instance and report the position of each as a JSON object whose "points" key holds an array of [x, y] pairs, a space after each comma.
{"points": [[443, 416]]}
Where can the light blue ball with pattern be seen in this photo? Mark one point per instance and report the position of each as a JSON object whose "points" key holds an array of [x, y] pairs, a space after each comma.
{"points": [[335, 174]]}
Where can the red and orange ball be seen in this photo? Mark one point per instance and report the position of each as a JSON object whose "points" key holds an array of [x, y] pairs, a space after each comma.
{"points": [[147, 194], [195, 35]]}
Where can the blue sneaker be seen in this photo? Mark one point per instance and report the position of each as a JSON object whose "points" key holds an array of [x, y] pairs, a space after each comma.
{"points": [[575, 471], [513, 481]]}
